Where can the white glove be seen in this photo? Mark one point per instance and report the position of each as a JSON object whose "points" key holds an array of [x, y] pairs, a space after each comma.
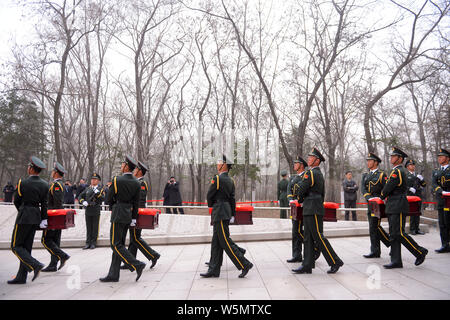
{"points": [[232, 220], [96, 191], [413, 190], [43, 224], [420, 177], [85, 203], [133, 223]]}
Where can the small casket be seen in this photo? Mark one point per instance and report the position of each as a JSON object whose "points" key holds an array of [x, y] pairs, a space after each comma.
{"points": [[147, 218], [296, 210], [414, 205], [60, 219], [244, 213], [377, 208], [330, 211]]}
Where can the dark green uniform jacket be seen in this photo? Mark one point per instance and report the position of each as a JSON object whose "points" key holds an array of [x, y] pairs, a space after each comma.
{"points": [[123, 198], [30, 194], [395, 192], [94, 200], [311, 191], [143, 194], [440, 181], [293, 185], [412, 181], [56, 195], [372, 184], [282, 189], [221, 197]]}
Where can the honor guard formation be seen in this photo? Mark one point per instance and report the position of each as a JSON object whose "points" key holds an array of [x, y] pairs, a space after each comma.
{"points": [[387, 195]]}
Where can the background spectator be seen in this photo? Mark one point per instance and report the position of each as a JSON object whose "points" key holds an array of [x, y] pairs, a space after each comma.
{"points": [[350, 188], [8, 190], [172, 196], [69, 196], [80, 188]]}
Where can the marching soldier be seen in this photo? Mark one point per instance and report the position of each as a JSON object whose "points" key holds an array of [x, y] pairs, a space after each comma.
{"points": [[311, 192], [136, 242], [51, 239], [372, 184], [397, 208], [221, 198], [414, 183], [91, 198], [282, 194], [124, 202], [441, 186], [31, 193]]}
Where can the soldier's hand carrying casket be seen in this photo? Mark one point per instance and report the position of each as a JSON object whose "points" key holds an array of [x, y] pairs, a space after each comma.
{"points": [[232, 220], [133, 223], [413, 190], [85, 203], [43, 224]]}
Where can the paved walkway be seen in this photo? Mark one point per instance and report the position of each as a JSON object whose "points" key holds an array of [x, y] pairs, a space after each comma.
{"points": [[177, 275]]}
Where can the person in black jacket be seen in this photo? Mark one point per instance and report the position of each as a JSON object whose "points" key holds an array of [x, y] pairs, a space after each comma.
{"points": [[350, 196], [8, 190], [69, 197], [172, 196], [30, 199]]}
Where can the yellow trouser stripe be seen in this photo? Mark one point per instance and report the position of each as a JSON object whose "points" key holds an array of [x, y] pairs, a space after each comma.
{"points": [[14, 244], [318, 232], [112, 243], [225, 237], [381, 230], [48, 249], [299, 228], [401, 232], [135, 238]]}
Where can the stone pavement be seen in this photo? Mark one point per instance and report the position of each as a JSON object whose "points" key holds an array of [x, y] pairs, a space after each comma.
{"points": [[177, 275]]}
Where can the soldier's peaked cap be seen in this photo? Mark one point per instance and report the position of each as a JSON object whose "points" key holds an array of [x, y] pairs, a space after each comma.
{"points": [[373, 156], [142, 167], [227, 161], [60, 168], [443, 152], [36, 162], [397, 152], [410, 161], [129, 160], [95, 175], [299, 159], [316, 153]]}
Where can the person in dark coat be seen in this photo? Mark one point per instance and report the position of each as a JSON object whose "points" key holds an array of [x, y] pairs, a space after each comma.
{"points": [[8, 190], [415, 184], [282, 194], [30, 199], [350, 196], [172, 196], [69, 196], [80, 188]]}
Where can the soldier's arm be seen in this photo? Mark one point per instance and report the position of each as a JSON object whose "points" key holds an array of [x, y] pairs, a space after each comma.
{"points": [[365, 193], [214, 186], [58, 195], [393, 181], [302, 187], [233, 199], [435, 186], [43, 200], [82, 196], [112, 191], [137, 195], [18, 195], [290, 191]]}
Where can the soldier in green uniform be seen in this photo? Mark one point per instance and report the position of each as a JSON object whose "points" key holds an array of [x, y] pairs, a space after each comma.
{"points": [[311, 192], [414, 184], [441, 185], [282, 194], [51, 239], [91, 198], [397, 208], [372, 184], [123, 200], [221, 198], [136, 241], [30, 199]]}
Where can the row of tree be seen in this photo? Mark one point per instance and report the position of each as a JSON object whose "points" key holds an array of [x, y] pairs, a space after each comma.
{"points": [[102, 79]]}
